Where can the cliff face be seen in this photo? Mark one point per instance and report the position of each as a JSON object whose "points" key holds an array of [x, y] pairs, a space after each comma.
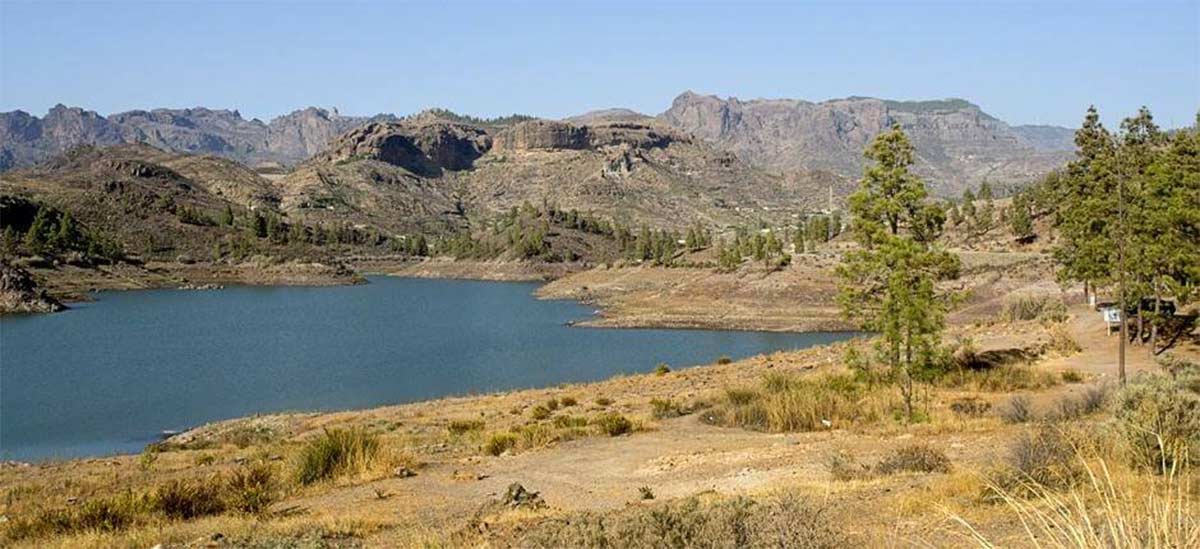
{"points": [[554, 135], [957, 143]]}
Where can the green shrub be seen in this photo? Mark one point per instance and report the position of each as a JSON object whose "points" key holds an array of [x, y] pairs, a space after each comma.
{"points": [[334, 453], [603, 401], [613, 424], [552, 404], [498, 443], [568, 401], [1159, 418], [724, 360], [662, 369], [1071, 376], [461, 427]]}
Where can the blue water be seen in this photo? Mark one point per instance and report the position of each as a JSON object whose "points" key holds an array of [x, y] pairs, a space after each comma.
{"points": [[109, 376]]}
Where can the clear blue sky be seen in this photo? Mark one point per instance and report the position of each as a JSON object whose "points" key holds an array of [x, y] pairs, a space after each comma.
{"points": [[1025, 62]]}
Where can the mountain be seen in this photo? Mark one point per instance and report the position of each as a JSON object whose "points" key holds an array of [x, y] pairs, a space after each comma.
{"points": [[1047, 138], [429, 174], [957, 143], [288, 139]]}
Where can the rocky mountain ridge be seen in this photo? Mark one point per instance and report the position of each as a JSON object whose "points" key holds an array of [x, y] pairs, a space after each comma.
{"points": [[958, 144]]}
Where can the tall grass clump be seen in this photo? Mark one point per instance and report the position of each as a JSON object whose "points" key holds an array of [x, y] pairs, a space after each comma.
{"points": [[335, 453], [791, 403], [1108, 509]]}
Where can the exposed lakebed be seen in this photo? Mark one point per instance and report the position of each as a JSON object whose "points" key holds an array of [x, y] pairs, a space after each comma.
{"points": [[111, 375]]}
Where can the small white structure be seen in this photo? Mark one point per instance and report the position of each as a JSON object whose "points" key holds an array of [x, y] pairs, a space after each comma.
{"points": [[1112, 318]]}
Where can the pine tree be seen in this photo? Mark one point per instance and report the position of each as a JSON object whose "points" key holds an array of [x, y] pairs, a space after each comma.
{"points": [[37, 236], [889, 283], [1020, 221], [227, 216]]}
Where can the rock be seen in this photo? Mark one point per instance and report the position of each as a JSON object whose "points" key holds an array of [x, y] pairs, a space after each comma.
{"points": [[19, 293], [403, 472], [518, 497]]}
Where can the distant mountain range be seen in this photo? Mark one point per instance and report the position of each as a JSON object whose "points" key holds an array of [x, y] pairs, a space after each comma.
{"points": [[957, 143]]}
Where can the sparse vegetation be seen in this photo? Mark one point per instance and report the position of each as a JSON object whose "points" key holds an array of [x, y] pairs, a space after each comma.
{"points": [[1159, 418], [461, 427], [662, 369], [787, 403], [1017, 410]]}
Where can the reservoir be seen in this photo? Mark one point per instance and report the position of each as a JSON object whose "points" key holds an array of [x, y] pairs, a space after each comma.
{"points": [[111, 375]]}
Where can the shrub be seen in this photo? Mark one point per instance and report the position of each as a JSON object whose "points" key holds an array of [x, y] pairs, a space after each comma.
{"points": [[568, 401], [970, 407], [183, 499], [844, 467], [1071, 376], [552, 404], [252, 489], [665, 408], [1017, 410], [1061, 341], [1030, 307], [785, 520], [499, 443], [662, 369], [1089, 402], [603, 401], [1042, 457], [334, 453], [461, 427], [539, 412], [1159, 418], [613, 424], [570, 422], [724, 360], [645, 492], [915, 458], [998, 379]]}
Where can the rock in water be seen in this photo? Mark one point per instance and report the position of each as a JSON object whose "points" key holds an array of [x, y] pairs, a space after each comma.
{"points": [[20, 294]]}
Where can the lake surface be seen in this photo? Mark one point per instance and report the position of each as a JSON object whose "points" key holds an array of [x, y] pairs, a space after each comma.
{"points": [[110, 376]]}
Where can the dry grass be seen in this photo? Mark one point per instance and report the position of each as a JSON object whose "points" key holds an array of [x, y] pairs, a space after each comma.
{"points": [[790, 403], [1108, 509], [337, 452]]}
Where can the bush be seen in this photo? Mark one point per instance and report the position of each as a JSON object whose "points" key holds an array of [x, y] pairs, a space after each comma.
{"points": [[970, 407], [252, 489], [461, 427], [613, 424], [915, 458], [334, 453], [1061, 341], [603, 401], [662, 369], [1030, 307], [844, 467], [1071, 376], [724, 360], [785, 520], [1018, 410], [499, 443], [665, 408], [570, 422], [568, 401], [552, 404], [1159, 418], [645, 492], [183, 499], [1089, 402], [539, 412], [1043, 457]]}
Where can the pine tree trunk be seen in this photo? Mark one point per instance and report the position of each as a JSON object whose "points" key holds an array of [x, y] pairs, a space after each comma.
{"points": [[1157, 319]]}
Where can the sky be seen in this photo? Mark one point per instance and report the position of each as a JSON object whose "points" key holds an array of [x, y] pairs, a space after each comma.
{"points": [[1024, 62]]}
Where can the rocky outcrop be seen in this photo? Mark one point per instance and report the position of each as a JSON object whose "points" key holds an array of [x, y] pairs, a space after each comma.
{"points": [[27, 139], [20, 294], [422, 148], [957, 143], [554, 135]]}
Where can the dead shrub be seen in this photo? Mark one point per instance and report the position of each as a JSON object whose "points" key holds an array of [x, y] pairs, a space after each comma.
{"points": [[1017, 410], [970, 407], [914, 458]]}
